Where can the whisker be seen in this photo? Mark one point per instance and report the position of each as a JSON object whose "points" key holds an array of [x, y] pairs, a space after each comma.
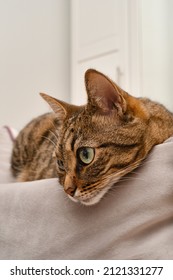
{"points": [[143, 163], [56, 137], [54, 144], [55, 128], [125, 179]]}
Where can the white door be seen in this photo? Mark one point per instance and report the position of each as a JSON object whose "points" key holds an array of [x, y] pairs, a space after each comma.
{"points": [[98, 31]]}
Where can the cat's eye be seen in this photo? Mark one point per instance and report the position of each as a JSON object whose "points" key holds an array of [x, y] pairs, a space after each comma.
{"points": [[60, 164], [86, 155]]}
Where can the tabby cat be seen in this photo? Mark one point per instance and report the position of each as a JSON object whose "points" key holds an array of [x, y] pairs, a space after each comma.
{"points": [[89, 148]]}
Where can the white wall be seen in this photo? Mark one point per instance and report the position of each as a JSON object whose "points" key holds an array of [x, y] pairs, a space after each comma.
{"points": [[34, 57], [157, 51], [170, 30]]}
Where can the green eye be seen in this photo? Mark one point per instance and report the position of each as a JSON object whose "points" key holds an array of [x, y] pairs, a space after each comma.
{"points": [[86, 155]]}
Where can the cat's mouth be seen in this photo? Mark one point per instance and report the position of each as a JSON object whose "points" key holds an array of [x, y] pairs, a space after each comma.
{"points": [[87, 201], [94, 199]]}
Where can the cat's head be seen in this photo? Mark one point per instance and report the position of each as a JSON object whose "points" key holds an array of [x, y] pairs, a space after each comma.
{"points": [[99, 142]]}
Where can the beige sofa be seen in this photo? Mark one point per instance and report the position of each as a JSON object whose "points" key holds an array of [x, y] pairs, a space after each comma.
{"points": [[133, 221]]}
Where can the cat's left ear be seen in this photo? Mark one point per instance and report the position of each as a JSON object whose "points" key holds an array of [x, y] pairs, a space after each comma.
{"points": [[103, 94], [59, 107], [62, 109]]}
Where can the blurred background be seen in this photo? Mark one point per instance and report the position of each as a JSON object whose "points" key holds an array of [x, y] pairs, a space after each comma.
{"points": [[47, 45]]}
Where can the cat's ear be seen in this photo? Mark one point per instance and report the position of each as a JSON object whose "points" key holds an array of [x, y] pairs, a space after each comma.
{"points": [[59, 107], [104, 94]]}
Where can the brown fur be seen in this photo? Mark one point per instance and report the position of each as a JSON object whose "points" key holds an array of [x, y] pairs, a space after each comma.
{"points": [[120, 129]]}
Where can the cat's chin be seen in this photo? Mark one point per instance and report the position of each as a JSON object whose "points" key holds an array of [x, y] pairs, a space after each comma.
{"points": [[87, 202], [92, 200]]}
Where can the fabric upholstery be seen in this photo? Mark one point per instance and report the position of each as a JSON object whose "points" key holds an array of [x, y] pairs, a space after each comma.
{"points": [[133, 221]]}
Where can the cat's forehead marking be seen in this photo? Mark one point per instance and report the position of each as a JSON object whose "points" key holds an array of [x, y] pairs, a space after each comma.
{"points": [[69, 138], [73, 118], [74, 138]]}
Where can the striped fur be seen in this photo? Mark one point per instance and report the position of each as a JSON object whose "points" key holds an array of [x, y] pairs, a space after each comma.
{"points": [[119, 128]]}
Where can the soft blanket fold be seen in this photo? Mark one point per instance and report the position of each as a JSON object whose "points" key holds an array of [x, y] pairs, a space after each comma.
{"points": [[133, 221]]}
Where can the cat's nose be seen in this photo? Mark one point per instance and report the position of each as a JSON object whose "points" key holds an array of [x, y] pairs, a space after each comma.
{"points": [[70, 185], [70, 191]]}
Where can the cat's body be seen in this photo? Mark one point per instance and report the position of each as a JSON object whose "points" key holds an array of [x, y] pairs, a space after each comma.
{"points": [[33, 153], [89, 148]]}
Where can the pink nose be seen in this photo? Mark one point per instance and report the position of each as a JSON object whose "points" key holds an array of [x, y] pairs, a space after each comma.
{"points": [[70, 191]]}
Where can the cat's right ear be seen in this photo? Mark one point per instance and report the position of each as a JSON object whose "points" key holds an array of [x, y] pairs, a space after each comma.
{"points": [[104, 94], [59, 107]]}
